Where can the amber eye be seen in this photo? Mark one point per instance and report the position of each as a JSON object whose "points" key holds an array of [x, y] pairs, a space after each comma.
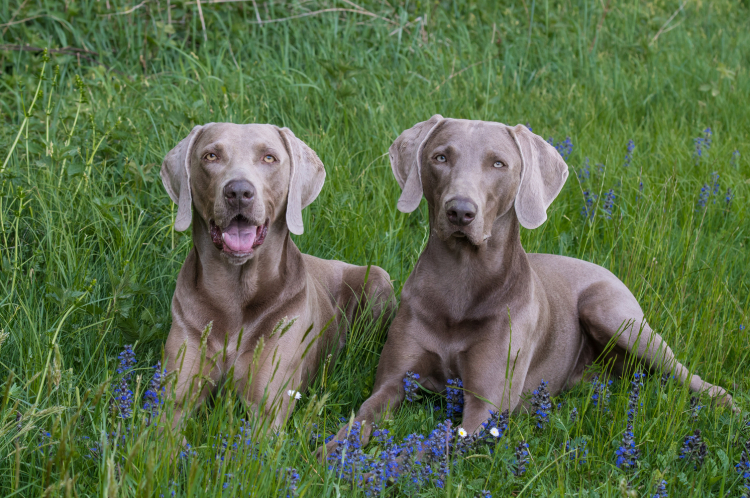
{"points": [[269, 158], [440, 158], [498, 164], [211, 157]]}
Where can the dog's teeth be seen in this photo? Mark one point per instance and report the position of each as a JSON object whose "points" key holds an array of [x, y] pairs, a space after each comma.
{"points": [[222, 236]]}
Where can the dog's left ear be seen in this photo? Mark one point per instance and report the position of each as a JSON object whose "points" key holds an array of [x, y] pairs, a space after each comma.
{"points": [[175, 175], [406, 165], [543, 174], [306, 177]]}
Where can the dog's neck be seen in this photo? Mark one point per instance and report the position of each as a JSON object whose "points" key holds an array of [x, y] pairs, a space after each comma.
{"points": [[273, 269], [501, 259]]}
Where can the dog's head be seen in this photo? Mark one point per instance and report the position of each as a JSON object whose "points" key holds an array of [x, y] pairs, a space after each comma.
{"points": [[473, 172], [241, 179]]}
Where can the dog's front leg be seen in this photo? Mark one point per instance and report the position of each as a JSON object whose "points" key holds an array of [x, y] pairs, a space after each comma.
{"points": [[269, 384], [493, 381], [197, 375], [401, 353]]}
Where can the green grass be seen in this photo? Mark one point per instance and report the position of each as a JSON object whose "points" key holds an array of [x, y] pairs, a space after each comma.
{"points": [[88, 258]]}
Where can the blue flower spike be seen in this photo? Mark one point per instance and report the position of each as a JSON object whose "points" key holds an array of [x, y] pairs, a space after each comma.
{"points": [[635, 392], [521, 458], [629, 154], [411, 386], [661, 490], [122, 402], [627, 454], [694, 449], [541, 403], [454, 394], [743, 468]]}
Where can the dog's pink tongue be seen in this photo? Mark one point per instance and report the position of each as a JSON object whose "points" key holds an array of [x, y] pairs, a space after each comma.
{"points": [[239, 236]]}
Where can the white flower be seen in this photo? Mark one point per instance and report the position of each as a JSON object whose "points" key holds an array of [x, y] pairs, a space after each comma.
{"points": [[294, 394], [495, 432], [462, 432]]}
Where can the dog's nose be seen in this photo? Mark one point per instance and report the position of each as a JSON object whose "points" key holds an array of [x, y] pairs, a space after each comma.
{"points": [[239, 193], [460, 211]]}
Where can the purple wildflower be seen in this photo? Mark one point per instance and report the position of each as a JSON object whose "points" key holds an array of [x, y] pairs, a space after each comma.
{"points": [[702, 144], [743, 468], [694, 449], [411, 386], [609, 203], [661, 490], [600, 396], [584, 173], [627, 454], [127, 361], [540, 401], [522, 458], [715, 181], [564, 148], [577, 450], [122, 404], [348, 460], [695, 408], [455, 398], [291, 478], [589, 200], [386, 466], [703, 196], [735, 161], [635, 393], [629, 154], [494, 428], [574, 414], [438, 445], [153, 397]]}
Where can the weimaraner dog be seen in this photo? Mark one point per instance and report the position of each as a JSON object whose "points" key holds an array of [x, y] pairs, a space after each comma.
{"points": [[477, 306], [244, 282]]}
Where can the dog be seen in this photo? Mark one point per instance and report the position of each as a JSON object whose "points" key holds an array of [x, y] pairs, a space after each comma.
{"points": [[477, 306], [248, 305]]}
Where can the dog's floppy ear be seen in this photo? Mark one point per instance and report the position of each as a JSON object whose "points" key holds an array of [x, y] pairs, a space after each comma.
{"points": [[543, 174], [175, 175], [405, 154], [306, 177]]}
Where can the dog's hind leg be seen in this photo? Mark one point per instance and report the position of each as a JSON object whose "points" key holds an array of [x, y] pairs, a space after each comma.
{"points": [[369, 294], [610, 313]]}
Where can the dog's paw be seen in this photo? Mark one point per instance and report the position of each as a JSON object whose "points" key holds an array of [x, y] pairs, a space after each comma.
{"points": [[721, 396], [323, 451], [364, 436]]}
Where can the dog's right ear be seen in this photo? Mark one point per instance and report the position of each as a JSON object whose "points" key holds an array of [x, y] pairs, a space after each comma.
{"points": [[306, 179], [405, 154], [543, 175], [175, 175]]}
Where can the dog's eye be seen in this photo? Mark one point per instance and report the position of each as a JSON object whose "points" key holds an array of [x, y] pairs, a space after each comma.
{"points": [[211, 157], [498, 164], [440, 158], [269, 158]]}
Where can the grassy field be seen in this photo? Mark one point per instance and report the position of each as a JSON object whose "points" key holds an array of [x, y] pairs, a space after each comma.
{"points": [[88, 256]]}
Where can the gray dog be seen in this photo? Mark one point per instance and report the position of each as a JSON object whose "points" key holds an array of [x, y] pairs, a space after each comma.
{"points": [[477, 306], [244, 188]]}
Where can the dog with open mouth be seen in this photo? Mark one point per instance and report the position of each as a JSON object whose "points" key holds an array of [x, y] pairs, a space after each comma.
{"points": [[477, 306], [248, 305]]}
